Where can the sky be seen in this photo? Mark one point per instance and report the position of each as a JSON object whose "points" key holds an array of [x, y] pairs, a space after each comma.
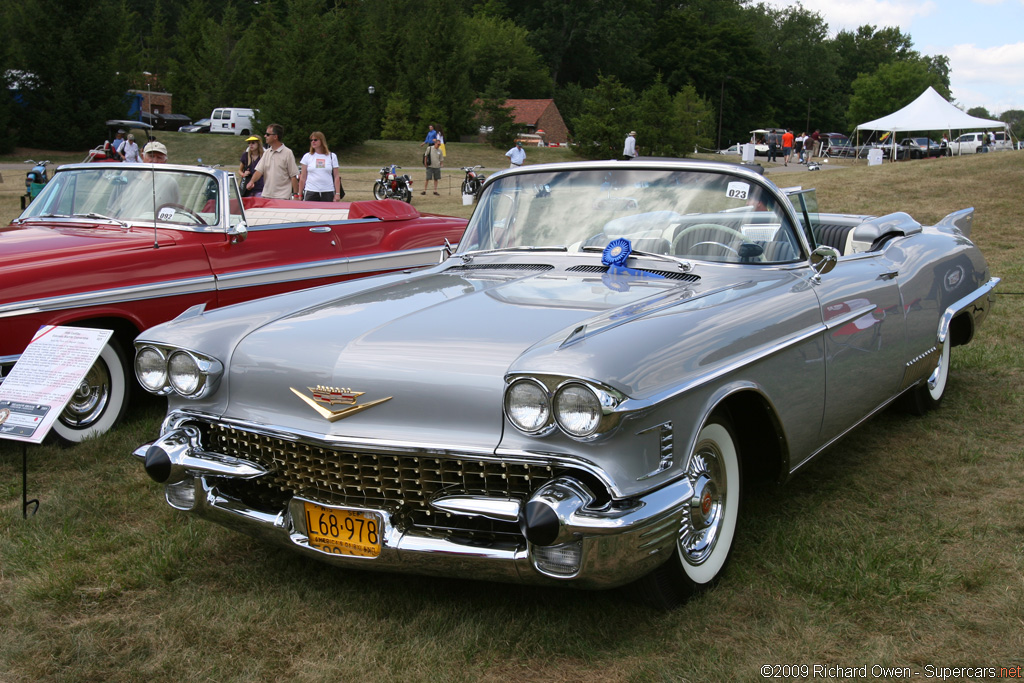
{"points": [[983, 39]]}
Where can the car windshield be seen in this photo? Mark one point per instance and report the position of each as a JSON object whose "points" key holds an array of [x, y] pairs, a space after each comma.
{"points": [[131, 193], [682, 213]]}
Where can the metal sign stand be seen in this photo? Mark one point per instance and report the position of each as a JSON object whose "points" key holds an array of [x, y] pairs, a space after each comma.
{"points": [[25, 502]]}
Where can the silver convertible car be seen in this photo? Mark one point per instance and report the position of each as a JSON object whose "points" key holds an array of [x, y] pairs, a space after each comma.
{"points": [[579, 394]]}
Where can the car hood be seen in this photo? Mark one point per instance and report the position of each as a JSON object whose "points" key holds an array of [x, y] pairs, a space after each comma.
{"points": [[33, 243], [427, 357]]}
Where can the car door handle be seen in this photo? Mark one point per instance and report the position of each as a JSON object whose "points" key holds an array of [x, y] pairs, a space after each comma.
{"points": [[320, 228], [891, 275]]}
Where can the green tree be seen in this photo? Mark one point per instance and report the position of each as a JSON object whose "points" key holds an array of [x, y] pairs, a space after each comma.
{"points": [[1014, 117], [397, 123], [433, 70], [496, 117], [73, 85], [980, 112], [658, 130], [694, 116], [317, 79], [497, 48], [608, 114], [892, 87]]}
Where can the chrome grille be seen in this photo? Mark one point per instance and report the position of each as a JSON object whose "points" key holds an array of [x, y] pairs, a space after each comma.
{"points": [[401, 482]]}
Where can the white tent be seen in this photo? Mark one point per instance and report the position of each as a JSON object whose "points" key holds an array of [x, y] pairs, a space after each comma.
{"points": [[930, 111]]}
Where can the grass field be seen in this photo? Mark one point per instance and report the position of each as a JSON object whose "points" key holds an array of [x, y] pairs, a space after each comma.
{"points": [[901, 547]]}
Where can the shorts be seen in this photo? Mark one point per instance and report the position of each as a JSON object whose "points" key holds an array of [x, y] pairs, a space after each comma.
{"points": [[433, 172], [786, 151]]}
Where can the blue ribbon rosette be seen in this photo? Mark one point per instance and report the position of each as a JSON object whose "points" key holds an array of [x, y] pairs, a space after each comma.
{"points": [[617, 252]]}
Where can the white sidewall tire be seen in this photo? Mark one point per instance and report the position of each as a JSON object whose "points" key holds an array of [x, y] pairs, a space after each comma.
{"points": [[708, 570], [115, 406]]}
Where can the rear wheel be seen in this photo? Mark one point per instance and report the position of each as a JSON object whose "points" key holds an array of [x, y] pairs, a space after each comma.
{"points": [[379, 191], [100, 401], [708, 521]]}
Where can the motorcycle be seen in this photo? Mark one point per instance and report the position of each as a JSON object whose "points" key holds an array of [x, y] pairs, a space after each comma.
{"points": [[35, 180], [392, 185], [473, 181]]}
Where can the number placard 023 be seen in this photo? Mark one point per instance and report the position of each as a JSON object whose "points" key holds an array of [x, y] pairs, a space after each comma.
{"points": [[339, 531]]}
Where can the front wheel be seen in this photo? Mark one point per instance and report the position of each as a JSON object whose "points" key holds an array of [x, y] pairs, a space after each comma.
{"points": [[100, 401], [708, 521], [379, 191], [406, 195], [467, 186]]}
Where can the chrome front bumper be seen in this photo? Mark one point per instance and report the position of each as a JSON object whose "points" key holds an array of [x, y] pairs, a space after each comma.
{"points": [[574, 545]]}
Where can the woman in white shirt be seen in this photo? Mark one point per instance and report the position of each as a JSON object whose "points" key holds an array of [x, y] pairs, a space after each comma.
{"points": [[130, 150], [320, 177]]}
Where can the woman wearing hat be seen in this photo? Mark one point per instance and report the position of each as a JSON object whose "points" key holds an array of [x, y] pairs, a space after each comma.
{"points": [[247, 166]]}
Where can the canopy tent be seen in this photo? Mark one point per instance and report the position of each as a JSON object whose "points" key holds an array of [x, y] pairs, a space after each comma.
{"points": [[930, 111]]}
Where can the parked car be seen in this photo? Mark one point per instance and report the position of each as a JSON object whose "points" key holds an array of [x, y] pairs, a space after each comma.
{"points": [[572, 397], [837, 145], [921, 148], [970, 143], [126, 246], [200, 126], [232, 120]]}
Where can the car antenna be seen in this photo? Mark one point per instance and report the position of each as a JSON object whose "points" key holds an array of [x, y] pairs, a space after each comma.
{"points": [[156, 240]]}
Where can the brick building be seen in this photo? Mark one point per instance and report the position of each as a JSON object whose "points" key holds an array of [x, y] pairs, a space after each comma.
{"points": [[540, 115]]}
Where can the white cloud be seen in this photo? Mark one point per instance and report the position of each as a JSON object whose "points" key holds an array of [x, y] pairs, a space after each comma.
{"points": [[992, 77], [845, 15]]}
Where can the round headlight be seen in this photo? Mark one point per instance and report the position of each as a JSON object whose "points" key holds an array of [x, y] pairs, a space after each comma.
{"points": [[151, 369], [526, 405], [577, 410], [183, 372]]}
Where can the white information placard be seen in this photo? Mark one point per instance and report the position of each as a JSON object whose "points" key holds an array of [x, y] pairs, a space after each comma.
{"points": [[45, 378]]}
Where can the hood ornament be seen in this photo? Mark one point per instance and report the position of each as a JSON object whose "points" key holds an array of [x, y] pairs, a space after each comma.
{"points": [[322, 398]]}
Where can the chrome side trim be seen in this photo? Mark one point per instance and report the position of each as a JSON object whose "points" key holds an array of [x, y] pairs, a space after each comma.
{"points": [[411, 258], [110, 296], [967, 301], [840, 320]]}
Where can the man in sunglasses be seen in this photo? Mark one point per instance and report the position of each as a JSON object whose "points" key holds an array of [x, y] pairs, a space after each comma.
{"points": [[277, 167]]}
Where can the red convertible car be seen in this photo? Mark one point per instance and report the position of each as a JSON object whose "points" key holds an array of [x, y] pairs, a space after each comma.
{"points": [[126, 246]]}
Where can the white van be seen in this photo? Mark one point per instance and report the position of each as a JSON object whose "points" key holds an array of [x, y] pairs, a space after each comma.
{"points": [[969, 143], [232, 120]]}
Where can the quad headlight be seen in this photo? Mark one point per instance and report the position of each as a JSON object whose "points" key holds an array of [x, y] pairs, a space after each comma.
{"points": [[582, 410], [577, 410], [163, 370], [527, 406]]}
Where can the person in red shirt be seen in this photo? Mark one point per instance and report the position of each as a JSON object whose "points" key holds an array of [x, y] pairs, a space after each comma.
{"points": [[787, 146]]}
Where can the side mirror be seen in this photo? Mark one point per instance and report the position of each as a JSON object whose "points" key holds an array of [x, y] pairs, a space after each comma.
{"points": [[824, 259], [238, 232]]}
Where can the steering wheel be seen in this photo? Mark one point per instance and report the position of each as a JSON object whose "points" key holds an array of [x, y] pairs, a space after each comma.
{"points": [[734, 234], [184, 209]]}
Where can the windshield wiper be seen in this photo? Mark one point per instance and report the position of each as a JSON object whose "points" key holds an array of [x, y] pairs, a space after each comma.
{"points": [[683, 264], [101, 217], [560, 247], [42, 215]]}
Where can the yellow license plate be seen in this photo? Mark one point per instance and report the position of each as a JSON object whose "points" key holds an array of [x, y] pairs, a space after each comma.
{"points": [[343, 532]]}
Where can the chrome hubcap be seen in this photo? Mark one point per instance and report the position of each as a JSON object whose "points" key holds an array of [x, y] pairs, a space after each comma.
{"points": [[703, 515], [90, 399]]}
